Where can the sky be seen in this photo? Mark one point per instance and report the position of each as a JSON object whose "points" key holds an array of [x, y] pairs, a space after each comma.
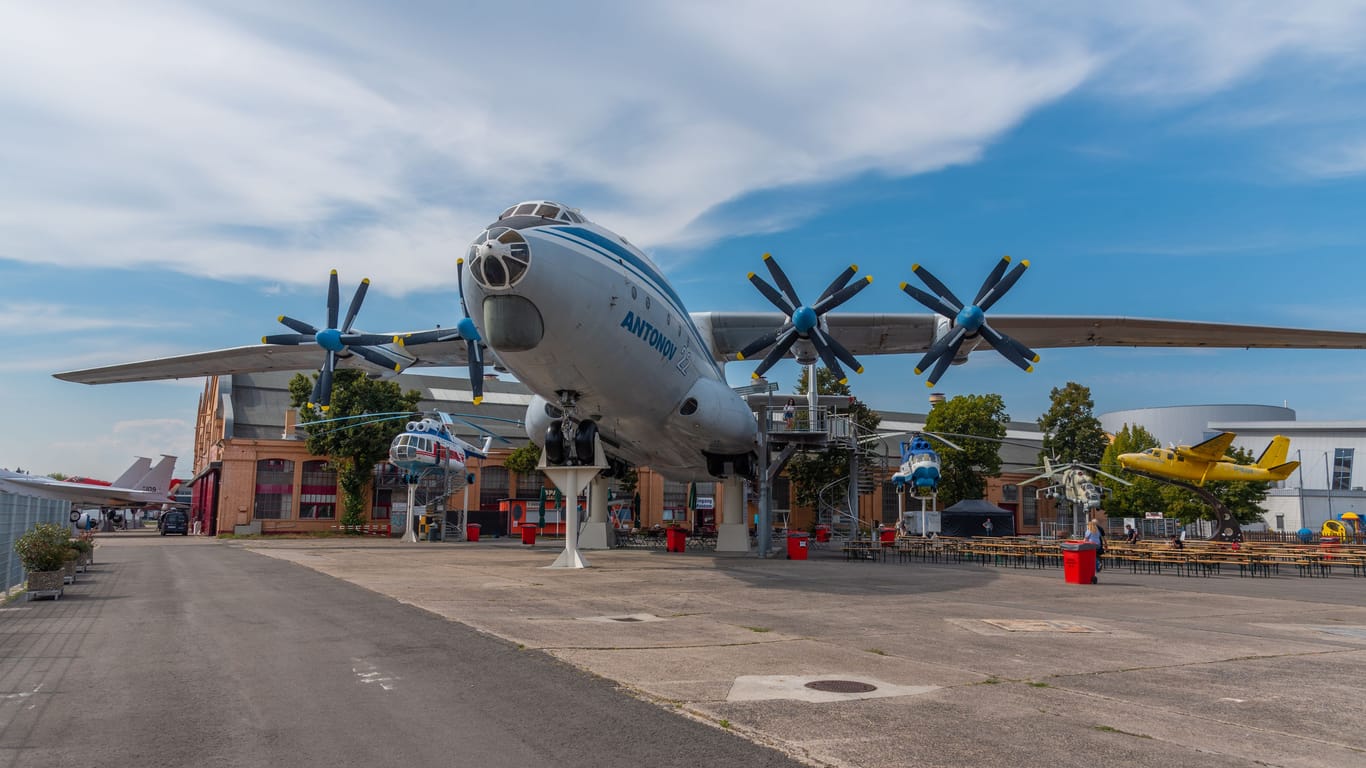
{"points": [[175, 175]]}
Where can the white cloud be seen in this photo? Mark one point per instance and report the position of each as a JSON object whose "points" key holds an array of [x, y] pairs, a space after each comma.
{"points": [[282, 140]]}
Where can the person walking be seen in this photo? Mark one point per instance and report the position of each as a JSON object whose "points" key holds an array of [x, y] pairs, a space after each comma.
{"points": [[1094, 536], [1131, 534]]}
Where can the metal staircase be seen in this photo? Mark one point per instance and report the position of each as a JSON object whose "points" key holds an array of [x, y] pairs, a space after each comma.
{"points": [[832, 500]]}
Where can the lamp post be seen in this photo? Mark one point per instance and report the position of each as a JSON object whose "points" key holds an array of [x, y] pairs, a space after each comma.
{"points": [[1328, 475]]}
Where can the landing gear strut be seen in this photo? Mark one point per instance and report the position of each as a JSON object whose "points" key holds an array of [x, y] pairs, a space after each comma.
{"points": [[570, 442]]}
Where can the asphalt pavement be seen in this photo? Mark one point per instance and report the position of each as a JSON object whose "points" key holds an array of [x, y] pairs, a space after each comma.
{"points": [[229, 653]]}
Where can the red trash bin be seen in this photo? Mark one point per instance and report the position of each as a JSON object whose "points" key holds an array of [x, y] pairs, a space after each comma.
{"points": [[675, 539], [528, 534], [472, 532], [1079, 562], [797, 546], [888, 536], [822, 533]]}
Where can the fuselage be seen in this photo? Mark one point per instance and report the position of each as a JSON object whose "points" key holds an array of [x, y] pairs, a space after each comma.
{"points": [[427, 446], [1171, 464], [574, 310]]}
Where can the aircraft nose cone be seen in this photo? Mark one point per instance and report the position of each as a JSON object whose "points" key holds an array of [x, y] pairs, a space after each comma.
{"points": [[329, 339], [804, 319], [467, 329]]}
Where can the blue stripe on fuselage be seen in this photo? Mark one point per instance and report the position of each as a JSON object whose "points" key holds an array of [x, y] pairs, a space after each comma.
{"points": [[643, 270]]}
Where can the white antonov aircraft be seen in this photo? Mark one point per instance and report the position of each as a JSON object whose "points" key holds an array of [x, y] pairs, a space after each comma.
{"points": [[588, 322], [141, 484]]}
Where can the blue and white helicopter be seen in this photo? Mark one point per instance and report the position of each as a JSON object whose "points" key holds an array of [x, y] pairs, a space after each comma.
{"points": [[427, 445], [919, 468]]}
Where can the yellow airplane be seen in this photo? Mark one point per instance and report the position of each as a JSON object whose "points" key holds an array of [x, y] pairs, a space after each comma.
{"points": [[1209, 461]]}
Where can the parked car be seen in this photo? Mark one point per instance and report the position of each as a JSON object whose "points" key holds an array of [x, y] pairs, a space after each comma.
{"points": [[174, 522]]}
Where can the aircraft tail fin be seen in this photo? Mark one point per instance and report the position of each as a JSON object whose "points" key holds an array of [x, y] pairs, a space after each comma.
{"points": [[158, 479], [1282, 471], [130, 477], [1275, 453]]}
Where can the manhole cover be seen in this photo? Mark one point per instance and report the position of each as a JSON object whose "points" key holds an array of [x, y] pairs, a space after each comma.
{"points": [[841, 686], [624, 618]]}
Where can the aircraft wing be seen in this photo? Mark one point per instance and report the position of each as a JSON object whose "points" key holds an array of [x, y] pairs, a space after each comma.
{"points": [[76, 493], [266, 357], [879, 334], [1212, 449]]}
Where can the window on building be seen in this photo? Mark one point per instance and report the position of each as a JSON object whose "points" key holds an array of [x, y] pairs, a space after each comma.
{"points": [[1029, 510], [1342, 469], [388, 487], [1010, 493], [529, 484], [493, 486], [318, 492], [274, 489], [890, 504], [1280, 522], [675, 500], [782, 493]]}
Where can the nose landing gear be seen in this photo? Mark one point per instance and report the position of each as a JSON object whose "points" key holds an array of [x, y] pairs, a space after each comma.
{"points": [[570, 443]]}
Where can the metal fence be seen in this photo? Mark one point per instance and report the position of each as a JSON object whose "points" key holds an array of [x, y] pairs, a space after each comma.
{"points": [[19, 513]]}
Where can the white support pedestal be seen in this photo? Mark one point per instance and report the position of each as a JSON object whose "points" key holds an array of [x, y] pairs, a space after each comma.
{"points": [[571, 481], [732, 535], [410, 530], [597, 532]]}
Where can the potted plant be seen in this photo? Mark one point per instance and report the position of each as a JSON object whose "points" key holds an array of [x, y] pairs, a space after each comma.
{"points": [[85, 549], [42, 552], [88, 536]]}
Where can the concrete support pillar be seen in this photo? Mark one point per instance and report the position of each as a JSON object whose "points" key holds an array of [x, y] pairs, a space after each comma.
{"points": [[597, 532], [732, 533]]}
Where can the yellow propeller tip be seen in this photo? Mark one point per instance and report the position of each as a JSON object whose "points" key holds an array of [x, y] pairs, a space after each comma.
{"points": [[459, 261], [754, 375], [930, 384], [918, 371], [854, 267], [263, 339], [869, 278], [860, 369], [365, 281], [280, 318], [1005, 258], [749, 276], [1025, 262], [1036, 359], [334, 271], [844, 381], [1030, 369], [767, 256], [739, 356], [914, 267], [398, 368]]}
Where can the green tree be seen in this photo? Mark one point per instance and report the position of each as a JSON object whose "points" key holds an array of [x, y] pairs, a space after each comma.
{"points": [[1071, 431], [810, 471], [353, 450], [1142, 495], [963, 473], [524, 459]]}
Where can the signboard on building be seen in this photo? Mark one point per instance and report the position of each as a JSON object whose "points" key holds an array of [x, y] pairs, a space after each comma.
{"points": [[1152, 515]]}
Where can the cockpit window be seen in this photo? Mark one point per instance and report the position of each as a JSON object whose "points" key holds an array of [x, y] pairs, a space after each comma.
{"points": [[525, 209], [548, 211]]}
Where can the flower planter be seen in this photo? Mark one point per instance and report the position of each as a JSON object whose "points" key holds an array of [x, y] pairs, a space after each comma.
{"points": [[69, 571], [45, 583]]}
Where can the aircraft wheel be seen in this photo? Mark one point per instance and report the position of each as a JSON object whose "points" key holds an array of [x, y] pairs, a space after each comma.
{"points": [[583, 442], [554, 444]]}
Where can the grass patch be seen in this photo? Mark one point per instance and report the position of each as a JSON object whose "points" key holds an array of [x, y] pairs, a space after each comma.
{"points": [[1040, 685], [725, 724], [759, 629], [991, 681]]}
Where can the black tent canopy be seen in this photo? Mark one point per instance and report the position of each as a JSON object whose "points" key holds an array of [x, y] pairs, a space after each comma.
{"points": [[969, 518]]}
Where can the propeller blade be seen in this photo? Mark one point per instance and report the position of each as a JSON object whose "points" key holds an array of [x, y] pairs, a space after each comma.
{"points": [[1010, 351], [828, 357], [761, 343], [366, 339], [287, 338], [780, 277], [840, 351], [427, 337], [939, 348], [939, 288], [325, 381], [999, 290], [842, 295], [944, 362], [838, 282], [476, 364], [992, 279], [375, 357], [930, 301], [317, 390], [460, 285], [785, 342], [333, 300], [298, 326], [772, 295], [355, 304]]}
